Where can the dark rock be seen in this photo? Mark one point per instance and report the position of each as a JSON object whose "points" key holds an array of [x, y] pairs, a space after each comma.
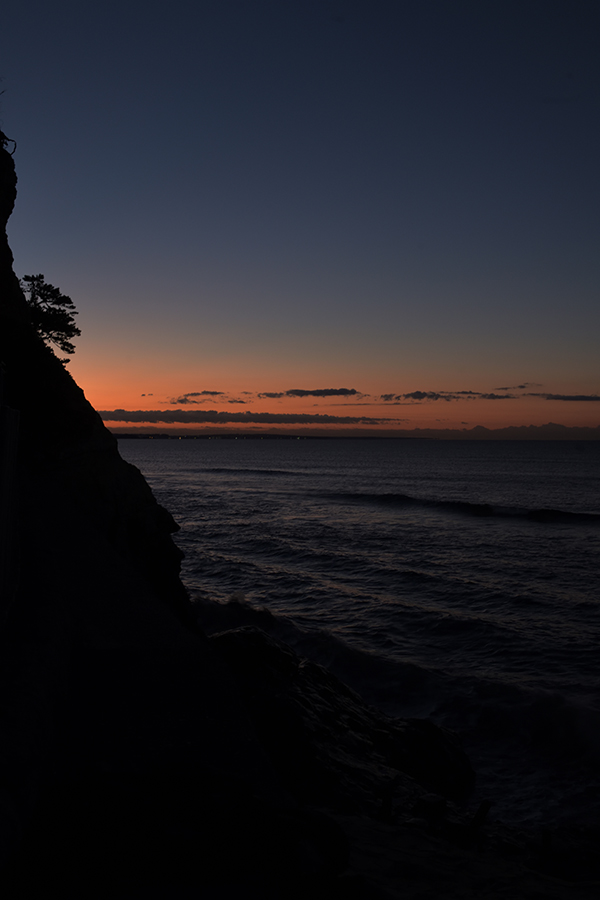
{"points": [[168, 830], [65, 455], [326, 742]]}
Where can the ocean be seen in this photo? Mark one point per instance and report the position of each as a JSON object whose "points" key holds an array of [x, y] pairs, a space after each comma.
{"points": [[454, 580]]}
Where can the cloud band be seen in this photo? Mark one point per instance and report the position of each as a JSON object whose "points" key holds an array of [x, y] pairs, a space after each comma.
{"points": [[212, 416]]}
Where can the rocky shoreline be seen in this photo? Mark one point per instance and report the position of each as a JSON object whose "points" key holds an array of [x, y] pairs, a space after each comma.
{"points": [[141, 757]]}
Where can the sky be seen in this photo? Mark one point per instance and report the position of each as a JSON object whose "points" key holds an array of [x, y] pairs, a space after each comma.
{"points": [[329, 217]]}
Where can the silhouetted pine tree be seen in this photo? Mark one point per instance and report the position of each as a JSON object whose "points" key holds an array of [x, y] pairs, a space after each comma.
{"points": [[52, 313]]}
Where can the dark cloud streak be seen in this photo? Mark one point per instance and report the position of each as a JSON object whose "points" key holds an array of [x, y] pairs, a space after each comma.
{"points": [[498, 396], [569, 398], [323, 392], [185, 398], [318, 392], [193, 416], [419, 396], [518, 387]]}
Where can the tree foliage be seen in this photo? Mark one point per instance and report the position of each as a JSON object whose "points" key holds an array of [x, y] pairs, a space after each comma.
{"points": [[52, 313]]}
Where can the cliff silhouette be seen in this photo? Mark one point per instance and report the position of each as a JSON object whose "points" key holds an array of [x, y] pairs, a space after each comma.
{"points": [[140, 757]]}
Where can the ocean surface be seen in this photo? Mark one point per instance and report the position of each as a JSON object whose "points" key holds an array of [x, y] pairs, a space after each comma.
{"points": [[454, 580]]}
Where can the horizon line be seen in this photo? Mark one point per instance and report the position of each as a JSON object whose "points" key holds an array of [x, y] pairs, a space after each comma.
{"points": [[548, 431]]}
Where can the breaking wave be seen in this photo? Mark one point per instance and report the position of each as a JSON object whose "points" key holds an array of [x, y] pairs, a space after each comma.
{"points": [[478, 510]]}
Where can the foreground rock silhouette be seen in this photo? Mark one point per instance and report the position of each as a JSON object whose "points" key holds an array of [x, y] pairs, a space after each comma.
{"points": [[138, 757]]}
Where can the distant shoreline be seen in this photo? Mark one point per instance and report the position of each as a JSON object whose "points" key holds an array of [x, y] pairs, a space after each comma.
{"points": [[487, 437]]}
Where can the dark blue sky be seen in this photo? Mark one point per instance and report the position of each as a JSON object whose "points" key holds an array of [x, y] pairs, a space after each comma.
{"points": [[259, 196]]}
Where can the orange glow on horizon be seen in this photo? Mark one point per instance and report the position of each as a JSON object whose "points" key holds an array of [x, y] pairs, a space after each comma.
{"points": [[226, 397]]}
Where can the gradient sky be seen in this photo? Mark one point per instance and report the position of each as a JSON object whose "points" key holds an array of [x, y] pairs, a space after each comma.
{"points": [[395, 201]]}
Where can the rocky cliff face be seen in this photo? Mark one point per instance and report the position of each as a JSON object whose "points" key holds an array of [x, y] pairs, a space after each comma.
{"points": [[65, 454], [101, 668]]}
